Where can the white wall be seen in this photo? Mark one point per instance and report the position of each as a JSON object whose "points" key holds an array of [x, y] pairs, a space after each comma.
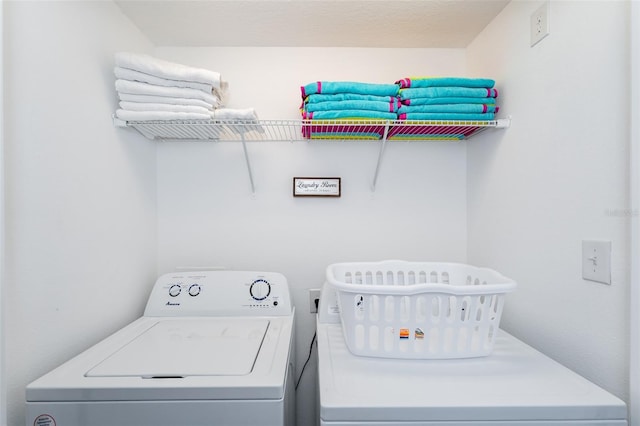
{"points": [[206, 215], [3, 385], [558, 176], [80, 210], [634, 190]]}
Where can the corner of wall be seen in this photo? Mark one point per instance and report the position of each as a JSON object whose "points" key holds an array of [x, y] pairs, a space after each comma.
{"points": [[3, 382]]}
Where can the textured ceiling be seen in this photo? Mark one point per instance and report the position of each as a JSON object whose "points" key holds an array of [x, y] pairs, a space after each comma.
{"points": [[312, 23]]}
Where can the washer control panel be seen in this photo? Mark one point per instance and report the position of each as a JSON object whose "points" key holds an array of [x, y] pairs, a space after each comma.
{"points": [[220, 293]]}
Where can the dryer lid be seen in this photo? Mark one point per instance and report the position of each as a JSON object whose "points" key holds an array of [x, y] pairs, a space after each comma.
{"points": [[198, 347]]}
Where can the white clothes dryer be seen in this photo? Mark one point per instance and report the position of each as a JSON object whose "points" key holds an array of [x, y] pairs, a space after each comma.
{"points": [[212, 348], [514, 386]]}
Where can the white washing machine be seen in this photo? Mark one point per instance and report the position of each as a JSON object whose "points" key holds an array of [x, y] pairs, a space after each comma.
{"points": [[212, 348], [514, 386]]}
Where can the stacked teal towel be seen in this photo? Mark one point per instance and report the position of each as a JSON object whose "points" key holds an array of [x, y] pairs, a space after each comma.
{"points": [[335, 87], [329, 100], [447, 98], [391, 105], [418, 82], [461, 108], [409, 99], [446, 101], [318, 97], [371, 103], [448, 92]]}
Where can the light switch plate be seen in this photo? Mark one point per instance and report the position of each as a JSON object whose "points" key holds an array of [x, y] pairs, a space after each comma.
{"points": [[596, 261]]}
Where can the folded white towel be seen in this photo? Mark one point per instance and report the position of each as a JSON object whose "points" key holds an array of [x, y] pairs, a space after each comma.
{"points": [[133, 75], [235, 114], [138, 88], [240, 120], [169, 70], [127, 115], [146, 106], [163, 100]]}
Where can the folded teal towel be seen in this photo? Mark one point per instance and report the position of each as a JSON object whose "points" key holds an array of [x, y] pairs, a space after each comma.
{"points": [[445, 92], [456, 108], [332, 87], [448, 100], [347, 97], [446, 116], [417, 82], [347, 114], [351, 105]]}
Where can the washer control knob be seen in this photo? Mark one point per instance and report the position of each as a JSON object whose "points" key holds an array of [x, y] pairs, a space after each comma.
{"points": [[260, 289], [194, 289], [174, 290]]}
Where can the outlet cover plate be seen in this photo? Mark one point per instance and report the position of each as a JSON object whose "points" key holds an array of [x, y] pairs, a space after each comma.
{"points": [[314, 294], [596, 261], [540, 23]]}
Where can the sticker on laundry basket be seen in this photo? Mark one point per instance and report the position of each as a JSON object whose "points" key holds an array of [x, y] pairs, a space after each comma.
{"points": [[418, 334], [44, 420], [404, 333]]}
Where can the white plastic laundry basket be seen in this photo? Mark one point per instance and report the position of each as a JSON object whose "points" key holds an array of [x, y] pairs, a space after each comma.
{"points": [[420, 310]]}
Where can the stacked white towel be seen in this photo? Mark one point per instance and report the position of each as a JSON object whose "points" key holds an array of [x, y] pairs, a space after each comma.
{"points": [[152, 89]]}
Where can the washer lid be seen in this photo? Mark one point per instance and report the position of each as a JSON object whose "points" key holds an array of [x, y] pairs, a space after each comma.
{"points": [[202, 347]]}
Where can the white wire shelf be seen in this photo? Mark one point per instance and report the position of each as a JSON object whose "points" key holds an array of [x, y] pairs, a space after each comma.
{"points": [[311, 130], [304, 130]]}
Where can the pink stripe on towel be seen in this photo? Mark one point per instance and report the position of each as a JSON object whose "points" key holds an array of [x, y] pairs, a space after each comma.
{"points": [[304, 95], [404, 83], [319, 87], [394, 104]]}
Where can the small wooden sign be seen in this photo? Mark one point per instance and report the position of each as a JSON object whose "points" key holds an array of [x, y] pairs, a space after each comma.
{"points": [[316, 187]]}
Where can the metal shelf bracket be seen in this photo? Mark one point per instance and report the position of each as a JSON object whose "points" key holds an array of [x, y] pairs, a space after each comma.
{"points": [[307, 130]]}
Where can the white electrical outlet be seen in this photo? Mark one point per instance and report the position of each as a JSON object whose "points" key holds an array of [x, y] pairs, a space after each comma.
{"points": [[314, 299], [596, 261], [540, 23]]}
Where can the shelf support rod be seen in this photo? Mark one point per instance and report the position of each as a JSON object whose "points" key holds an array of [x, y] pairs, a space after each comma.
{"points": [[382, 146], [246, 158]]}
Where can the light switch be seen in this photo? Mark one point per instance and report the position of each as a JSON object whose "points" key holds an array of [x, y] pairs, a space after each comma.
{"points": [[596, 261]]}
